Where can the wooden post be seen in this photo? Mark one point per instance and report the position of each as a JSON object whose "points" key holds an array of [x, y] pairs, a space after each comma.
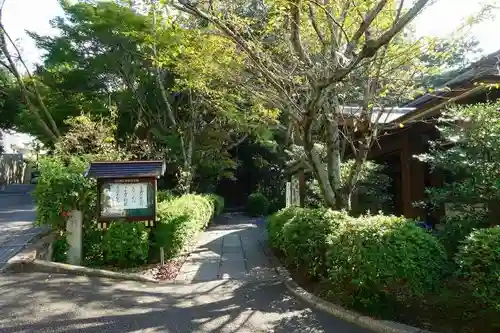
{"points": [[74, 237], [406, 177]]}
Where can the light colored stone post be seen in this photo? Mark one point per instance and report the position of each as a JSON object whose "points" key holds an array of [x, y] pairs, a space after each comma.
{"points": [[288, 193], [74, 237]]}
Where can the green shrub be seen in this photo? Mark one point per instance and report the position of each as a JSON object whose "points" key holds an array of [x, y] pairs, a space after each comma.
{"points": [[180, 220], [456, 228], [383, 256], [61, 188], [275, 224], [478, 261], [305, 238], [60, 249], [164, 195], [92, 246], [217, 201], [257, 204], [125, 244]]}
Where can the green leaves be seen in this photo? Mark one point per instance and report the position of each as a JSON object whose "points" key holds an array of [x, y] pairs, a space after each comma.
{"points": [[125, 244], [478, 261], [180, 219], [257, 204], [364, 259], [469, 153], [61, 188]]}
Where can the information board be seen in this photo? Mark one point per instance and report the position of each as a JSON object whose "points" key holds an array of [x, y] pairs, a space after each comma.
{"points": [[127, 198]]}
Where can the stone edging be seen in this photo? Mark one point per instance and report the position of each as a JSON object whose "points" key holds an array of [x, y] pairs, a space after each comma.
{"points": [[379, 326], [31, 264]]}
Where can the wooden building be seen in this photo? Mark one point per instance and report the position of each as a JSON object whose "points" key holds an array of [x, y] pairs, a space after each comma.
{"points": [[397, 147]]}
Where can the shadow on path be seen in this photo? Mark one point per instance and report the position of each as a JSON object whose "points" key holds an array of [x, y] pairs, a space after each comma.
{"points": [[237, 294]]}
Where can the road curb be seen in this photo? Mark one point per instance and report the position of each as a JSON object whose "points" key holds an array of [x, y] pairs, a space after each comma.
{"points": [[55, 267], [379, 326]]}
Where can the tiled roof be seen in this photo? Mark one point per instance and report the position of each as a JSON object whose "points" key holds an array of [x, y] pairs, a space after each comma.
{"points": [[126, 169], [484, 67]]}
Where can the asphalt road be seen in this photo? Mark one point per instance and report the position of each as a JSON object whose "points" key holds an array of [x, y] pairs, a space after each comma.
{"points": [[40, 302], [17, 211]]}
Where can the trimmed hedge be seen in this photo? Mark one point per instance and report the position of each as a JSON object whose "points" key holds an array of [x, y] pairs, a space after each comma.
{"points": [[275, 224], [257, 205], [478, 261], [217, 201], [363, 258], [372, 257], [125, 244], [305, 238], [180, 220]]}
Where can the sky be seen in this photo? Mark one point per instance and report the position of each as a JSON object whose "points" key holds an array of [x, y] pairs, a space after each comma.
{"points": [[439, 19]]}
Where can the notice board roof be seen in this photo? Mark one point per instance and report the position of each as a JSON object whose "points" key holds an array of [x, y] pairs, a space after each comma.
{"points": [[126, 169]]}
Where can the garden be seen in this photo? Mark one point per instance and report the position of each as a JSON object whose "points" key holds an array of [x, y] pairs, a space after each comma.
{"points": [[444, 280], [242, 101], [123, 245]]}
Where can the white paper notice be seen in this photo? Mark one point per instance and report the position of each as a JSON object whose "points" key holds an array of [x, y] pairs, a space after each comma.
{"points": [[127, 196]]}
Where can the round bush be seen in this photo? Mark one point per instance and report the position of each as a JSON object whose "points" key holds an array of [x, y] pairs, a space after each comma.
{"points": [[275, 224], [478, 261], [305, 238], [257, 205], [125, 244], [378, 256], [218, 203]]}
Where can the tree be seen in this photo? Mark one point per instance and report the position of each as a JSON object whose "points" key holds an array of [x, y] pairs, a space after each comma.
{"points": [[468, 155], [468, 152], [310, 58], [450, 57], [165, 84], [27, 86]]}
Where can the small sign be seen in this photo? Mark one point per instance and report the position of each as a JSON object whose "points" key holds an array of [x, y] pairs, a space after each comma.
{"points": [[126, 189], [125, 199]]}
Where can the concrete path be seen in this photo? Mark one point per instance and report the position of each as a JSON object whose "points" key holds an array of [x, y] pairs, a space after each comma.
{"points": [[17, 213], [226, 286], [231, 249]]}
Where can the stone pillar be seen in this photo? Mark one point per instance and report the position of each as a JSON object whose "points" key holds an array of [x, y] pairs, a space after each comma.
{"points": [[295, 187], [74, 237], [288, 194], [293, 192]]}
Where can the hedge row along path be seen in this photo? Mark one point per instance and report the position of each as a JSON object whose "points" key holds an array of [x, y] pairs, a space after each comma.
{"points": [[228, 295]]}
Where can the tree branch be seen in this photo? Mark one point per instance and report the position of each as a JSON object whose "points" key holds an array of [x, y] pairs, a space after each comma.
{"points": [[371, 47], [24, 91], [312, 19], [257, 59], [295, 32], [365, 24]]}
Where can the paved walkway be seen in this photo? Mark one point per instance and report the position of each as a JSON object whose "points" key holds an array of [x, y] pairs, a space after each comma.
{"points": [[231, 249], [17, 213], [226, 286]]}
